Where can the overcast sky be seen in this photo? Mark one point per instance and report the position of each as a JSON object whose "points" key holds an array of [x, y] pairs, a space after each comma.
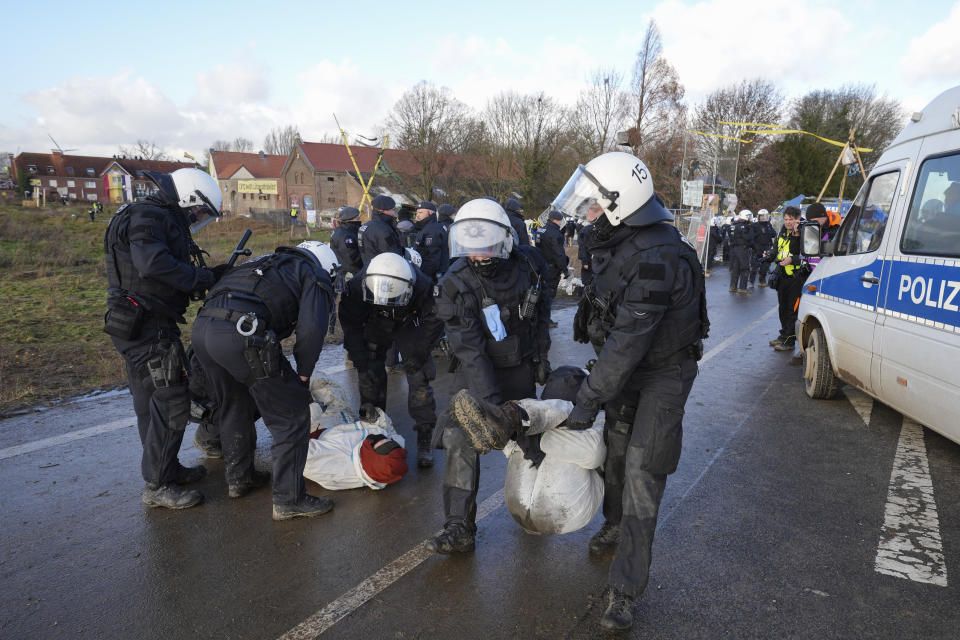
{"points": [[183, 74]]}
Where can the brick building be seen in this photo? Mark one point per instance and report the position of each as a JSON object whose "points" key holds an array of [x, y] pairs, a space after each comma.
{"points": [[250, 182]]}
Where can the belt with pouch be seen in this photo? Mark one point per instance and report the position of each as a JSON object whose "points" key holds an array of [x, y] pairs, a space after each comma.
{"points": [[247, 322]]}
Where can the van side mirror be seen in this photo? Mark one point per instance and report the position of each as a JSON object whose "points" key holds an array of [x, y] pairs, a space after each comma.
{"points": [[810, 238]]}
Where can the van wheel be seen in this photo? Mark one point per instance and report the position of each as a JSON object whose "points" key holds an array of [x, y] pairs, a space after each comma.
{"points": [[818, 375]]}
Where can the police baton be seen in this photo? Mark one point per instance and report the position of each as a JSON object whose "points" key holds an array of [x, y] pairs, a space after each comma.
{"points": [[240, 251]]}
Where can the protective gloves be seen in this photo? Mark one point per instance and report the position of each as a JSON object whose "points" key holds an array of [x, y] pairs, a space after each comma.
{"points": [[542, 371], [580, 321], [580, 418], [219, 270], [368, 412]]}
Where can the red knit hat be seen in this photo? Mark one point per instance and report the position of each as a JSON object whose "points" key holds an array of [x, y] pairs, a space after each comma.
{"points": [[384, 464]]}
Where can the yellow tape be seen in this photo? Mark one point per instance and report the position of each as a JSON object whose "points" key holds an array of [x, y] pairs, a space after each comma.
{"points": [[807, 133], [773, 129], [717, 135]]}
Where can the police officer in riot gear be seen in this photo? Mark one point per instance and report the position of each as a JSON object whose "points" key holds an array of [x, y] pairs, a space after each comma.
{"points": [[741, 249], [515, 213], [445, 216], [551, 244], [380, 234], [236, 337], [344, 240], [492, 303], [645, 314], [153, 267], [392, 301], [431, 241], [764, 236]]}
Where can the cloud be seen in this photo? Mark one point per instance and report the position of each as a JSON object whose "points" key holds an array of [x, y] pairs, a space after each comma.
{"points": [[226, 84], [934, 55]]}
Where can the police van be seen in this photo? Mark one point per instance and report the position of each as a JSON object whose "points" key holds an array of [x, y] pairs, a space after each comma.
{"points": [[881, 311]]}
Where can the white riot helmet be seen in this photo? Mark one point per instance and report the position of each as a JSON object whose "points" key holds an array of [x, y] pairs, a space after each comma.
{"points": [[414, 257], [324, 255], [746, 215], [618, 182], [763, 215], [388, 281], [196, 188], [481, 230]]}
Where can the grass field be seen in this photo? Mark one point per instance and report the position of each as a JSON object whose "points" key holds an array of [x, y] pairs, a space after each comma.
{"points": [[52, 276]]}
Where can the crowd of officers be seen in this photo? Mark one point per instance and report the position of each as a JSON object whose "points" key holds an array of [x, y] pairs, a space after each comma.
{"points": [[469, 274]]}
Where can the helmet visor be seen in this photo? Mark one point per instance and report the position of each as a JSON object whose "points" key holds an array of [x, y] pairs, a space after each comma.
{"points": [[386, 291], [200, 219], [478, 238], [578, 194]]}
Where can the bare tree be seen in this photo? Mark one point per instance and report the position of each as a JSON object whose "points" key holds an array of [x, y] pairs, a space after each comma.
{"points": [[430, 124], [657, 95], [526, 133], [280, 140], [146, 149], [601, 112], [243, 145]]}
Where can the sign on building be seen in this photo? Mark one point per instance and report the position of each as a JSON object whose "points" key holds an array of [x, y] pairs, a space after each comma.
{"points": [[257, 186], [692, 192]]}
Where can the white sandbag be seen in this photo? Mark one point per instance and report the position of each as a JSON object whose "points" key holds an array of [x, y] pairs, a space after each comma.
{"points": [[582, 448]]}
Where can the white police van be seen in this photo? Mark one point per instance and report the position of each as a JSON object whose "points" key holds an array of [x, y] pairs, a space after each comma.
{"points": [[881, 311]]}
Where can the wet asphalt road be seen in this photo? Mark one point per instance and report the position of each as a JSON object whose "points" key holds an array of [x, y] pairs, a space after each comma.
{"points": [[769, 528]]}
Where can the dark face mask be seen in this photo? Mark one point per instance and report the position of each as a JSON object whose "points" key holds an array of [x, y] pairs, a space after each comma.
{"points": [[486, 268], [602, 229]]}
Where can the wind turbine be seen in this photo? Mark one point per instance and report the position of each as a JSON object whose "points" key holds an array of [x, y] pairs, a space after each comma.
{"points": [[58, 147]]}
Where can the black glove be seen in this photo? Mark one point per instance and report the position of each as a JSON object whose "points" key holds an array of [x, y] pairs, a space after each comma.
{"points": [[580, 418], [368, 412], [542, 371], [219, 270], [584, 309]]}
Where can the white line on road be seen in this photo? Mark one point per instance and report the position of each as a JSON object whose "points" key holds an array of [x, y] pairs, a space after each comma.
{"points": [[360, 594], [910, 544], [64, 438], [363, 592]]}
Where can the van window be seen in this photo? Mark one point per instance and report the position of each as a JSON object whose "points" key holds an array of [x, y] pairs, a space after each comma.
{"points": [[933, 222], [862, 229]]}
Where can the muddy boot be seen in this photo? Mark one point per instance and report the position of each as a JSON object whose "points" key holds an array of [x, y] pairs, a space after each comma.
{"points": [[424, 446], [619, 613], [488, 425], [256, 480], [605, 540], [308, 507], [456, 537], [186, 475], [208, 449], [170, 496]]}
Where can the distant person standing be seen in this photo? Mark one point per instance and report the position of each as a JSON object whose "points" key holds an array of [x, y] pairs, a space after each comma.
{"points": [[515, 213], [741, 244], [344, 240], [551, 245], [430, 240], [583, 248], [380, 235], [789, 280]]}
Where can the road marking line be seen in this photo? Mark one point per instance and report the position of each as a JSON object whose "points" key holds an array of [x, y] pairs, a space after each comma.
{"points": [[64, 438], [89, 432], [910, 544], [861, 402], [739, 334], [363, 592]]}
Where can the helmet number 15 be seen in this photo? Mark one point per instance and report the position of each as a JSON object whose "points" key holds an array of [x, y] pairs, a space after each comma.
{"points": [[640, 173]]}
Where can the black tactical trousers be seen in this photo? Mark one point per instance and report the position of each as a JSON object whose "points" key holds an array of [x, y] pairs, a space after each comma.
{"points": [[739, 267], [644, 452], [282, 400], [788, 297], [461, 477], [754, 267], [161, 413], [421, 404]]}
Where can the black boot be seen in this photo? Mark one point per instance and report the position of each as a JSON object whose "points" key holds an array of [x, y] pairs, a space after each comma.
{"points": [[170, 496], [488, 425], [208, 449], [256, 480], [605, 540], [455, 537], [308, 507], [619, 613], [186, 475], [424, 446]]}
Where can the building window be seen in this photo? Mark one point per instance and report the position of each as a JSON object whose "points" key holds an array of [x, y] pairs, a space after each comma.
{"points": [[91, 172], [32, 168], [90, 184], [331, 199], [51, 170], [53, 183], [330, 179], [69, 171], [70, 183], [308, 202]]}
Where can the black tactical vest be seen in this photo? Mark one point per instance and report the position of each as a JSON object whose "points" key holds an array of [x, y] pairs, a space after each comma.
{"points": [[122, 275]]}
